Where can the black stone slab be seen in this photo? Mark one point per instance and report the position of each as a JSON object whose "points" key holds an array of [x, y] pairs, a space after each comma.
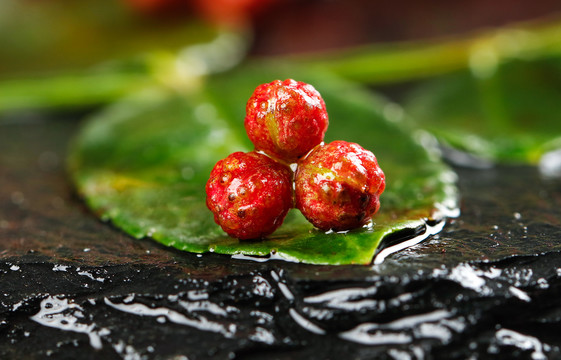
{"points": [[72, 287]]}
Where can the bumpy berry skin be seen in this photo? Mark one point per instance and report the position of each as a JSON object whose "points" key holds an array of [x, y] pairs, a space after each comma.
{"points": [[249, 194], [286, 119], [338, 186]]}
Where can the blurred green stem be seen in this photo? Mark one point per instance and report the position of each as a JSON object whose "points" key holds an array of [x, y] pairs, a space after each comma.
{"points": [[416, 60], [68, 90], [182, 71], [481, 53]]}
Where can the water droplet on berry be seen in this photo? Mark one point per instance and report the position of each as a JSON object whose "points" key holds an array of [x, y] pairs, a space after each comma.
{"points": [[224, 179], [232, 197], [241, 214]]}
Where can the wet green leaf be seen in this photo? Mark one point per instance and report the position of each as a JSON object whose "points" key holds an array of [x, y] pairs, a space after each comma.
{"points": [[143, 164], [504, 113]]}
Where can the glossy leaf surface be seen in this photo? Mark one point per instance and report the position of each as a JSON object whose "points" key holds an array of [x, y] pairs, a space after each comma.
{"points": [[507, 113]]}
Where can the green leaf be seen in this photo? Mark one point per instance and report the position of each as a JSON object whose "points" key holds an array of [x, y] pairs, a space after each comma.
{"points": [[143, 164], [504, 113]]}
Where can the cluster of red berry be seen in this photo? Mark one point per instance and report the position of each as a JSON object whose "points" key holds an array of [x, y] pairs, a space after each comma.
{"points": [[336, 186]]}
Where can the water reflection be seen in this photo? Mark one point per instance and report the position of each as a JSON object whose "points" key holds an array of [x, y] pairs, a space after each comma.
{"points": [[63, 314], [198, 322]]}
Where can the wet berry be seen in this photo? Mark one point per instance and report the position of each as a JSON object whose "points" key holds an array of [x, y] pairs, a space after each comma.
{"points": [[338, 186], [286, 119], [249, 194]]}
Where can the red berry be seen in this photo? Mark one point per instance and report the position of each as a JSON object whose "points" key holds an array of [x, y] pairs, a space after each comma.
{"points": [[249, 194], [338, 186], [286, 119]]}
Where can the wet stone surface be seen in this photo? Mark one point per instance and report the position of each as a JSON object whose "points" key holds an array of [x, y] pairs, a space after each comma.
{"points": [[73, 287]]}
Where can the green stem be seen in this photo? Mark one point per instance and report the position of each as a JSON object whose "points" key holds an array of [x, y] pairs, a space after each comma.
{"points": [[182, 70], [68, 90], [410, 61], [370, 64]]}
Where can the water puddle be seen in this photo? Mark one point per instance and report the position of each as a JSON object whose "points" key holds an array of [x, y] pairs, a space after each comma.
{"points": [[62, 314], [402, 331], [506, 337], [305, 323], [164, 314], [428, 230]]}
